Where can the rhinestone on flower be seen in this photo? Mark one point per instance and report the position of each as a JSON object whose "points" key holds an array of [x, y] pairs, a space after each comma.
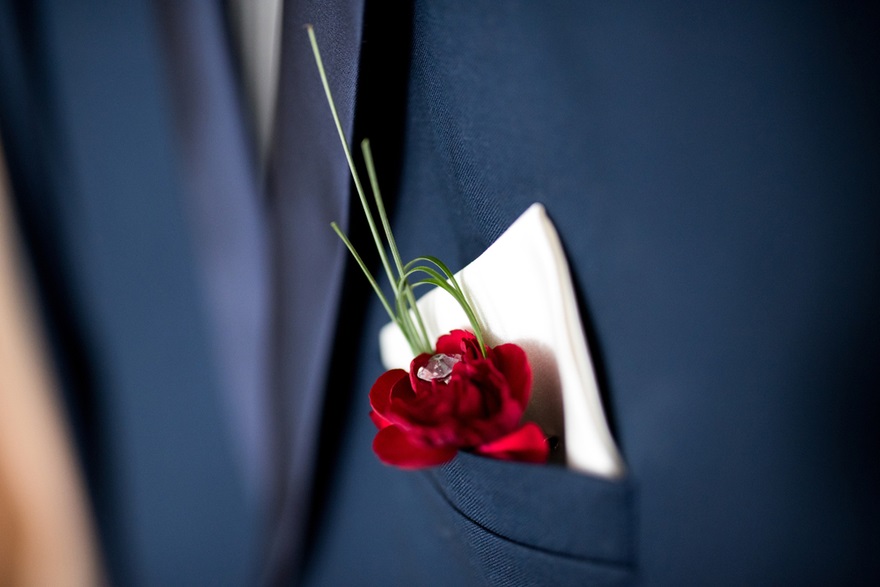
{"points": [[438, 367]]}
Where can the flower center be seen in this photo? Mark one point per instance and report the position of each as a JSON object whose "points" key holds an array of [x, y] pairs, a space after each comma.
{"points": [[438, 367]]}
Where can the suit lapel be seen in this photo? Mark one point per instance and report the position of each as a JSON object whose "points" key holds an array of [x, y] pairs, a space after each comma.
{"points": [[309, 188]]}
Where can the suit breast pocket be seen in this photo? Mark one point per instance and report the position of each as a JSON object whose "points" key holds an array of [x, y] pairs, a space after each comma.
{"points": [[537, 525]]}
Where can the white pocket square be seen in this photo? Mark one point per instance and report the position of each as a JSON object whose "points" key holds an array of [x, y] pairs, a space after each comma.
{"points": [[521, 290]]}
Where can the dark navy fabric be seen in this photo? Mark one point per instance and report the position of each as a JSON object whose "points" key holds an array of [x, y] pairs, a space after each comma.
{"points": [[308, 189], [711, 169]]}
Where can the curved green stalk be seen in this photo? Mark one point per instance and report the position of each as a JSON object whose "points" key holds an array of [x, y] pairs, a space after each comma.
{"points": [[406, 311], [354, 174], [452, 289], [389, 236]]}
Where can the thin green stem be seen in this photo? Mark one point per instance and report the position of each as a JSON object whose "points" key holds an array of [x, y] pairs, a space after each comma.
{"points": [[354, 174], [435, 278], [406, 309], [417, 345], [389, 236], [366, 271]]}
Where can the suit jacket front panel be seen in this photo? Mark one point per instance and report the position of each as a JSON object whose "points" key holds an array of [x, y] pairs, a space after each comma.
{"points": [[706, 168]]}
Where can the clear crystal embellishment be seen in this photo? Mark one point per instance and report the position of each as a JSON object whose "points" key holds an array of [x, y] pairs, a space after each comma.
{"points": [[438, 367]]}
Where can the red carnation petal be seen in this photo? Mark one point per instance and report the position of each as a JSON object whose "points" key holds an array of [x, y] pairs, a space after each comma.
{"points": [[378, 420], [394, 447], [450, 344], [420, 361], [380, 393], [527, 445], [403, 391], [513, 363], [418, 386]]}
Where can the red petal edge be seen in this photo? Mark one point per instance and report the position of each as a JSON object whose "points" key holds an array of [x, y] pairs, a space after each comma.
{"points": [[414, 365], [378, 420], [527, 444], [393, 447], [450, 344], [380, 395], [513, 363]]}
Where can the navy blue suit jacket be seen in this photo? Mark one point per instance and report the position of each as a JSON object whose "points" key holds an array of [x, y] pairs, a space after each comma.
{"points": [[711, 169]]}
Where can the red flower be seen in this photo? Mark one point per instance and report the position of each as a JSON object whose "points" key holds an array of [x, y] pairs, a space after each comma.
{"points": [[477, 406]]}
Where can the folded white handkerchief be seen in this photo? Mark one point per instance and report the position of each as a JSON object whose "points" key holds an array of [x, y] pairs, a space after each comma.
{"points": [[521, 290]]}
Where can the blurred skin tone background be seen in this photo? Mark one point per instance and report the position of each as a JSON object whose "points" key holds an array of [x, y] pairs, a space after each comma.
{"points": [[46, 536]]}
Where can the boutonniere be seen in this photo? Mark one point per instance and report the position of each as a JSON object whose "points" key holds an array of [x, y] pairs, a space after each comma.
{"points": [[459, 393]]}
